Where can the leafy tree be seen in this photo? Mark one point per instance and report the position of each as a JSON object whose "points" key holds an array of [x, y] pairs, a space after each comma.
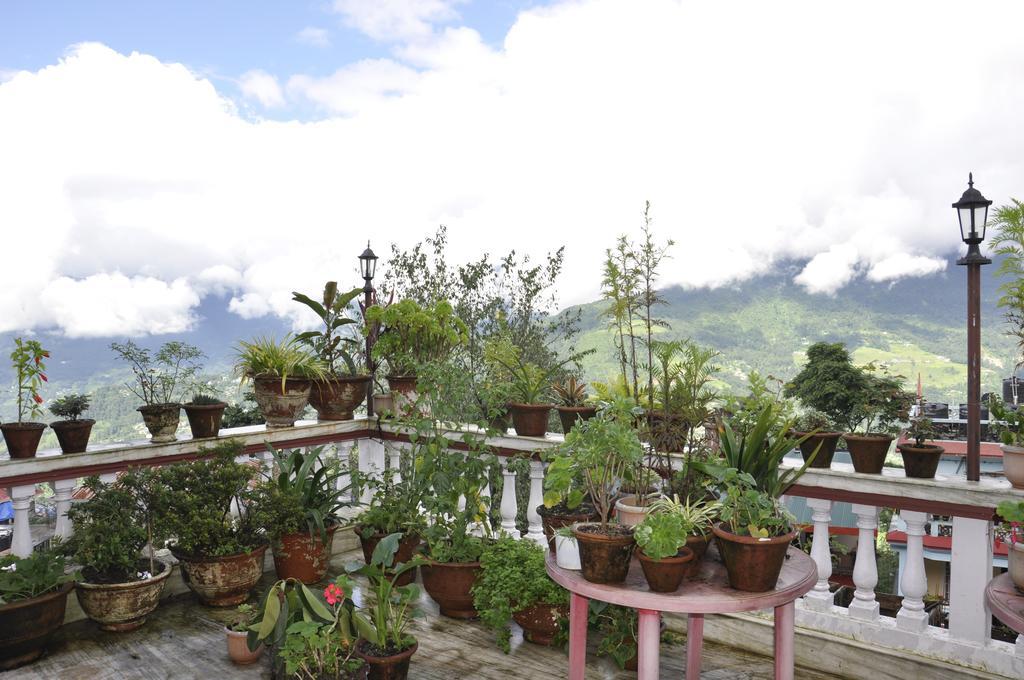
{"points": [[830, 383]]}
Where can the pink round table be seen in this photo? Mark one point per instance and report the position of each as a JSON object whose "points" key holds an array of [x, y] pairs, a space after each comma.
{"points": [[708, 594], [1005, 601]]}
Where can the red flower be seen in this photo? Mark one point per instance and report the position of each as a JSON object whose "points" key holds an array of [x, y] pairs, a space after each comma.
{"points": [[37, 361], [43, 376], [39, 400], [46, 354], [333, 594]]}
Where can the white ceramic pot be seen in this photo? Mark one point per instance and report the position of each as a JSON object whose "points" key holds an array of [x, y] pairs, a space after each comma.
{"points": [[629, 512], [567, 552], [1015, 560], [1013, 465]]}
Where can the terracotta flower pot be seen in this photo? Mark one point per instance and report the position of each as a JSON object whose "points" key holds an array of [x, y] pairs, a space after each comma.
{"points": [[450, 585], [162, 421], [921, 462], [222, 581], [699, 546], [604, 556], [394, 667], [629, 512], [281, 408], [827, 440], [26, 626], [204, 419], [383, 405], [403, 393], [1015, 560], [868, 452], [337, 398], [553, 519], [238, 648], [530, 420], [302, 556], [753, 564], [406, 550], [22, 438], [73, 435], [665, 575], [569, 415], [121, 607], [540, 622], [1013, 465]]}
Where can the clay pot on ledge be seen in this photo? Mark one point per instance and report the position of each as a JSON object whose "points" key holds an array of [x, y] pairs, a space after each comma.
{"points": [[450, 585], [1013, 465], [338, 397], [392, 667], [604, 554], [26, 626], [699, 546], [530, 420], [554, 518], [304, 557], [403, 393], [868, 452], [753, 564], [540, 622], [828, 442], [222, 581], [204, 419], [22, 438], [383, 405], [406, 551], [570, 415], [238, 648], [281, 407], [162, 421], [122, 607], [921, 462], [73, 435], [666, 575]]}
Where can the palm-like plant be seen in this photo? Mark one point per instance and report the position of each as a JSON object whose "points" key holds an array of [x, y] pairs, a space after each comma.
{"points": [[312, 483], [333, 347], [1008, 243]]}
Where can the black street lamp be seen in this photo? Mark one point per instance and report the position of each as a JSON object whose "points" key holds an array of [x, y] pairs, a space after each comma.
{"points": [[368, 267], [972, 210]]}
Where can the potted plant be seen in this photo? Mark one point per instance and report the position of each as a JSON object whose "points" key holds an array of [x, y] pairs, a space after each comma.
{"points": [[1009, 426], [117, 587], [33, 595], [385, 643], [568, 553], [571, 398], [204, 414], [72, 430], [297, 505], [529, 392], [920, 460], [410, 336], [638, 490], [160, 381], [281, 373], [221, 556], [342, 388], [830, 384], [565, 501], [514, 586], [394, 508], [882, 405], [818, 434], [602, 450], [669, 531], [1012, 514], [237, 633], [22, 437]]}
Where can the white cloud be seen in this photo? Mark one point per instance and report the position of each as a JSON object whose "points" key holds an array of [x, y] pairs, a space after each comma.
{"points": [[311, 35], [261, 86], [776, 140], [394, 20]]}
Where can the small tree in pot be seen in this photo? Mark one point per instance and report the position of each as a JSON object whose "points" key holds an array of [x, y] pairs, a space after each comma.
{"points": [[161, 380], [343, 387], [282, 374], [602, 450], [204, 413], [72, 430], [830, 384], [22, 437], [920, 460], [571, 396], [820, 436], [880, 408], [33, 596]]}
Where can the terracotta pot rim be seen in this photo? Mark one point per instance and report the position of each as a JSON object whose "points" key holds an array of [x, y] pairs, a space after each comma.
{"points": [[927, 448], [576, 409], [528, 407], [727, 535], [270, 378], [871, 437], [819, 435], [62, 591], [182, 557], [405, 653], [68, 424], [1019, 547], [682, 557], [545, 511], [1012, 449], [29, 425], [631, 506], [235, 633], [358, 377], [449, 565], [205, 407], [596, 537], [159, 408], [131, 585]]}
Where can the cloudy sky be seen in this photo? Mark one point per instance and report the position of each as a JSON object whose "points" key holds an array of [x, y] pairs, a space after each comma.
{"points": [[151, 156]]}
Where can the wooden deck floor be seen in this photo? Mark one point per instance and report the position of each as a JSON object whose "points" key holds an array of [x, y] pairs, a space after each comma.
{"points": [[185, 640]]}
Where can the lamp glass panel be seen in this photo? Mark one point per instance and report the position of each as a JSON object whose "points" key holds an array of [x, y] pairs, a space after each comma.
{"points": [[965, 223]]}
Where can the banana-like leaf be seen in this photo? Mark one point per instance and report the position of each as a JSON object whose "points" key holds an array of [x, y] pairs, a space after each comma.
{"points": [[270, 615], [365, 629]]}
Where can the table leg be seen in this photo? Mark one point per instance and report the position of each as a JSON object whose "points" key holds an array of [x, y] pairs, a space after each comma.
{"points": [[578, 611], [648, 643], [784, 631], [694, 645]]}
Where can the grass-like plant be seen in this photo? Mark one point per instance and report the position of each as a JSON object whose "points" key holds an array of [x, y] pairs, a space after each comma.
{"points": [[265, 358]]}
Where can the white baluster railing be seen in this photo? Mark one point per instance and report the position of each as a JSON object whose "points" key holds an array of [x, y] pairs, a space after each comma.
{"points": [[821, 597], [535, 532], [509, 503], [914, 581], [865, 569]]}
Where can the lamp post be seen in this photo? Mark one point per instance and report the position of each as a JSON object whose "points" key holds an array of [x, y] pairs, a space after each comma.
{"points": [[972, 211], [368, 266]]}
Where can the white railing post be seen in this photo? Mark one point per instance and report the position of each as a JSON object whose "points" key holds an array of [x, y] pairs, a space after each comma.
{"points": [[970, 572], [914, 581], [820, 599], [21, 501], [865, 570], [509, 504], [396, 464], [63, 489], [536, 528]]}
